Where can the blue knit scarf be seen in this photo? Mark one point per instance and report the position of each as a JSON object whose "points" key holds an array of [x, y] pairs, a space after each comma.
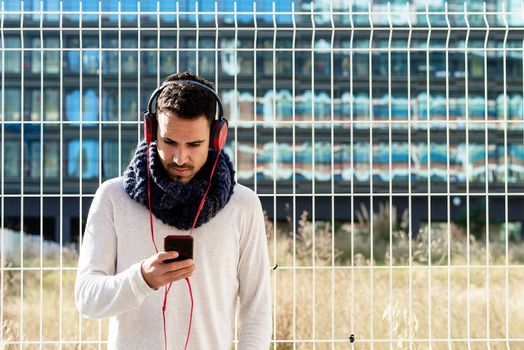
{"points": [[176, 203]]}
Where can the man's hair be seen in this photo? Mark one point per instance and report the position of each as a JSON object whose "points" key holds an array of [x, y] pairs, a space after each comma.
{"points": [[186, 100]]}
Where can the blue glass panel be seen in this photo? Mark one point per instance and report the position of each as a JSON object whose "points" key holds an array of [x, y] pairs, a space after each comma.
{"points": [[90, 105], [72, 61], [148, 5], [12, 5], [109, 5], [89, 158], [72, 105], [71, 5], [51, 5], [129, 6], [90, 5]]}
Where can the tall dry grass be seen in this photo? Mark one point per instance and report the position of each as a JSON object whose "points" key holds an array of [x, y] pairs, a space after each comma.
{"points": [[49, 313], [432, 292], [328, 286]]}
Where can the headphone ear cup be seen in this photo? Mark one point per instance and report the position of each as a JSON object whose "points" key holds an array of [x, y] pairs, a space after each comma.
{"points": [[149, 127], [219, 134]]}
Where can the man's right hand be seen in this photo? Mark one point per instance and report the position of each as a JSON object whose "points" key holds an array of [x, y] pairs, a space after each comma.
{"points": [[156, 273]]}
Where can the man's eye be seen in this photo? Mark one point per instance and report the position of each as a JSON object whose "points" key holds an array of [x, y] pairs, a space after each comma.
{"points": [[169, 142], [195, 145]]}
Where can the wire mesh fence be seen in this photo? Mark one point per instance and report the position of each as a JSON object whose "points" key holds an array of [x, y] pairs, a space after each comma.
{"points": [[384, 139]]}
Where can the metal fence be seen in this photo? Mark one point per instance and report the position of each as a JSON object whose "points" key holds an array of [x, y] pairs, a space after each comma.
{"points": [[385, 140]]}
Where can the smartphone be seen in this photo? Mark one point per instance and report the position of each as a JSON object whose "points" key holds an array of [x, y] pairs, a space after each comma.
{"points": [[182, 244]]}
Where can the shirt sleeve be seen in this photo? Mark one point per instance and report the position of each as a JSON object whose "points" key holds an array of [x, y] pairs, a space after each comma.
{"points": [[99, 292], [254, 287]]}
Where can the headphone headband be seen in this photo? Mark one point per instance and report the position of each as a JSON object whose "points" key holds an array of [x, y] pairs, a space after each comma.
{"points": [[218, 130], [157, 92]]}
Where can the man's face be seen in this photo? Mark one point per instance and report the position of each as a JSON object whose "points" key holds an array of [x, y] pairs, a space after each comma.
{"points": [[182, 145]]}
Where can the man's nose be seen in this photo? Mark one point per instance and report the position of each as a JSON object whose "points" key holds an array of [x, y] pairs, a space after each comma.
{"points": [[180, 156]]}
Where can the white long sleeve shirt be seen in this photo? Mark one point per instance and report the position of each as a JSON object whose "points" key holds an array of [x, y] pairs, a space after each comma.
{"points": [[231, 260]]}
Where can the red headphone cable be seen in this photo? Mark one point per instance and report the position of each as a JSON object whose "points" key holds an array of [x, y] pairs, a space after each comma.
{"points": [[149, 198], [168, 287]]}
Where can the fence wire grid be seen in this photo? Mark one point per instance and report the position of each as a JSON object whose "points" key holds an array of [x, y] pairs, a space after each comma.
{"points": [[384, 139]]}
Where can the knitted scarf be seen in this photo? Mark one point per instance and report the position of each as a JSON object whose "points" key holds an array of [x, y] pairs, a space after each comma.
{"points": [[175, 203]]}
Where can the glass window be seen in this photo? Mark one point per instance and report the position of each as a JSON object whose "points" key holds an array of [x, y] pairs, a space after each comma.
{"points": [[52, 62], [361, 160], [12, 6], [110, 62], [12, 159], [51, 159], [72, 61], [12, 62], [206, 63], [12, 20], [167, 62], [13, 108], [264, 156], [246, 160], [34, 104], [129, 62], [187, 60], [284, 166], [89, 159], [110, 104], [148, 63], [34, 58], [303, 157], [245, 105], [51, 104], [12, 41], [361, 107], [89, 105], [110, 159], [32, 159], [516, 163], [51, 6], [168, 39], [322, 106], [90, 62], [148, 5], [72, 105], [284, 105], [129, 40], [90, 20], [109, 6], [12, 58], [90, 40], [342, 162], [127, 152], [110, 39], [246, 62], [129, 105], [71, 6]]}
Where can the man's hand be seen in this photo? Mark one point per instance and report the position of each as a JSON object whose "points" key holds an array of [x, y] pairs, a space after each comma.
{"points": [[158, 274]]}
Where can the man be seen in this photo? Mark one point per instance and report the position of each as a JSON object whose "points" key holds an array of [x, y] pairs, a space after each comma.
{"points": [[121, 277]]}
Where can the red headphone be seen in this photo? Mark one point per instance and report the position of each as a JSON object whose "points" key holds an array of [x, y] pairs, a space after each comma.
{"points": [[218, 133]]}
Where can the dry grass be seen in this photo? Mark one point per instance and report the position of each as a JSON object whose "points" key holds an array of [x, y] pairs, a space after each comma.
{"points": [[383, 299], [59, 322], [347, 293]]}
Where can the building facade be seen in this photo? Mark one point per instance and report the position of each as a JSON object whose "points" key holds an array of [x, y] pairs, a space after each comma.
{"points": [[332, 107]]}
